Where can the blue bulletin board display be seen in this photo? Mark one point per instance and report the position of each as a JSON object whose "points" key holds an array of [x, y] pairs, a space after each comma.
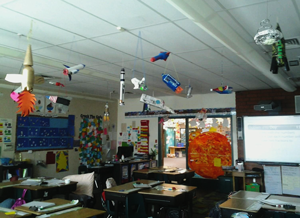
{"points": [[44, 133]]}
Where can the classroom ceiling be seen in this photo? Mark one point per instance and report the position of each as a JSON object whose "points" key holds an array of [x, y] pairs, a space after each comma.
{"points": [[211, 44]]}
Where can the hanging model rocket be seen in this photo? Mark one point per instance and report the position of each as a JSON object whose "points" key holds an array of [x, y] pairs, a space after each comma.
{"points": [[27, 77], [122, 86]]}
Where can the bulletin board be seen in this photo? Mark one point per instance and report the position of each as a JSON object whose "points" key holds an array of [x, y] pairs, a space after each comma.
{"points": [[44, 133]]}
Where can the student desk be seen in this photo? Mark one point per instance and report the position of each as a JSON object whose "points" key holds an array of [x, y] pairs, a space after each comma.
{"points": [[164, 196], [235, 205], [250, 195], [16, 215], [58, 202], [289, 200], [127, 195], [166, 174], [77, 212], [38, 191]]}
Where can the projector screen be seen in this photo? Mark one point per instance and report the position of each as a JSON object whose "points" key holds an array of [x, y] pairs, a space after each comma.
{"points": [[272, 139]]}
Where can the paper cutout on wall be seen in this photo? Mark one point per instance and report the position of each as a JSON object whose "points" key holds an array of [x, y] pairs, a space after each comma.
{"points": [[143, 146], [5, 131], [49, 107], [90, 142], [207, 152], [50, 158], [62, 161], [39, 106]]}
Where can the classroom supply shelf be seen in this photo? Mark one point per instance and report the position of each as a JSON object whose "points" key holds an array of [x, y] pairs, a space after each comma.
{"points": [[44, 133]]}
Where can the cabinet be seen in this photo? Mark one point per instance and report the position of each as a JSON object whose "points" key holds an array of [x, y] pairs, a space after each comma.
{"points": [[38, 133], [22, 170]]}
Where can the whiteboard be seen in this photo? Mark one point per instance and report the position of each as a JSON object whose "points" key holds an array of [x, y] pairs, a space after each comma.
{"points": [[273, 179], [290, 180]]}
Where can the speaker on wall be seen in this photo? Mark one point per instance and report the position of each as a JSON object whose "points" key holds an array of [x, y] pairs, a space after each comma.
{"points": [[240, 128], [297, 103]]}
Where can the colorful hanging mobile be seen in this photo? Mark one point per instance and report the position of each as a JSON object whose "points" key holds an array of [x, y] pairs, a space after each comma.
{"points": [[223, 90]]}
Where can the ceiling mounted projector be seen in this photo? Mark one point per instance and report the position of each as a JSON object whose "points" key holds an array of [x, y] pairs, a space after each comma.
{"points": [[266, 35]]}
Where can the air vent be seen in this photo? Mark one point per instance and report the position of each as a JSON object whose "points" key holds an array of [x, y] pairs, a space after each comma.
{"points": [[292, 43]]}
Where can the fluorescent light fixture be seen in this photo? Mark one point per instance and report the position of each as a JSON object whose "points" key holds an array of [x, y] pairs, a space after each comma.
{"points": [[266, 35]]}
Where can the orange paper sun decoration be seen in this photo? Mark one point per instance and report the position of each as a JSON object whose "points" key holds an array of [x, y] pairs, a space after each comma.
{"points": [[26, 103]]}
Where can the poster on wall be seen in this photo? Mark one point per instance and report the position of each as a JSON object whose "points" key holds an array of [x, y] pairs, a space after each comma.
{"points": [[143, 146], [6, 132], [90, 141], [62, 161], [39, 106], [49, 107]]}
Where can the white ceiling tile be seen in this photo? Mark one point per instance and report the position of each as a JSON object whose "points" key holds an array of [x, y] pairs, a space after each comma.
{"points": [[128, 42], [100, 51], [66, 57], [170, 37], [199, 33], [129, 14], [40, 31], [64, 16], [229, 4], [164, 8]]}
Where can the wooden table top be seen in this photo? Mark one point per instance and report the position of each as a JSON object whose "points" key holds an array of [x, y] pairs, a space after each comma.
{"points": [[250, 195], [9, 184], [175, 147], [79, 212], [290, 200], [166, 190], [128, 188], [164, 170], [2, 214], [57, 202], [241, 205]]}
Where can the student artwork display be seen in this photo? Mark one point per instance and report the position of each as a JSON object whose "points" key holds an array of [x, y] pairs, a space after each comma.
{"points": [[39, 106], [208, 152], [62, 161], [90, 141], [5, 131], [144, 146]]}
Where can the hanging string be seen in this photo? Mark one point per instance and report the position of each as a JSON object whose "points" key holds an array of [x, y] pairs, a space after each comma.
{"points": [[143, 64], [29, 34], [222, 68], [139, 43], [136, 53], [174, 68]]}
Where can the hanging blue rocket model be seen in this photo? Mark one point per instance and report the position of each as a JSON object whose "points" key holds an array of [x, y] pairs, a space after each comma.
{"points": [[172, 83]]}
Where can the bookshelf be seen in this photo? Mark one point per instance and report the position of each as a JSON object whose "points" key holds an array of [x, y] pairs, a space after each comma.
{"points": [[23, 171]]}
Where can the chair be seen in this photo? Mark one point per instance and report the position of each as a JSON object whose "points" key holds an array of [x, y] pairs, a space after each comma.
{"points": [[84, 190]]}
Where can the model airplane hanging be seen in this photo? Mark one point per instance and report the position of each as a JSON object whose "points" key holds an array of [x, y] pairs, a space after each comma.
{"points": [[161, 56], [223, 90], [72, 70], [139, 84], [156, 102]]}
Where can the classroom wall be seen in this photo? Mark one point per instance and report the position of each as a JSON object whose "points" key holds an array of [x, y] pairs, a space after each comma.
{"points": [[77, 107], [245, 101], [211, 100]]}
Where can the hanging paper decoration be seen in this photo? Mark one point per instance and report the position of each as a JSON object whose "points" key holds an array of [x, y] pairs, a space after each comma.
{"points": [[144, 145], [90, 141], [208, 152], [266, 35], [106, 113], [161, 56], [172, 83], [26, 102], [122, 87], [68, 71], [223, 90], [57, 84], [279, 58], [201, 115], [155, 102], [139, 84]]}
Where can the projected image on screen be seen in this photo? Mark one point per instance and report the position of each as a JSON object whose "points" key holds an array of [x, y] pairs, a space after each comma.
{"points": [[272, 139]]}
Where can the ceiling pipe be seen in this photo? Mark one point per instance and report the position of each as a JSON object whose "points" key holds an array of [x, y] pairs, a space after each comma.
{"points": [[206, 18]]}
